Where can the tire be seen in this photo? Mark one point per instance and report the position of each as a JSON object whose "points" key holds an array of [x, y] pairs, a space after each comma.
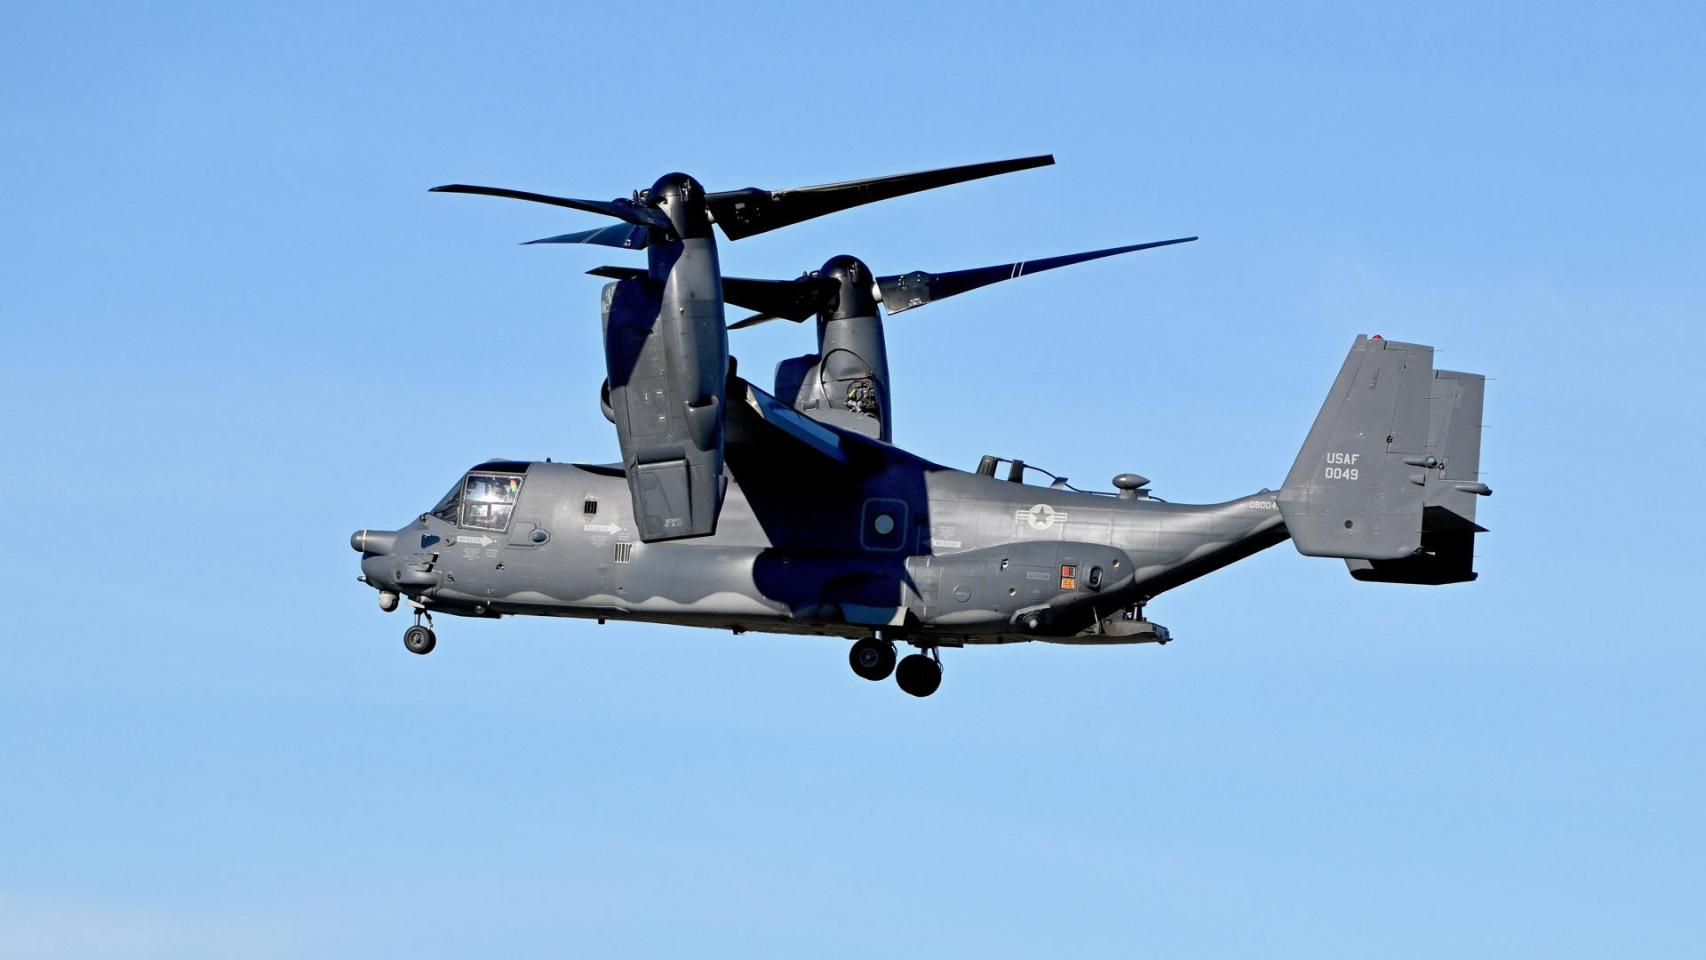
{"points": [[871, 658], [419, 640], [918, 675]]}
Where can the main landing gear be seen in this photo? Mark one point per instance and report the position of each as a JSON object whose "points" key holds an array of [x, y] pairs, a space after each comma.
{"points": [[918, 674], [872, 658], [419, 639]]}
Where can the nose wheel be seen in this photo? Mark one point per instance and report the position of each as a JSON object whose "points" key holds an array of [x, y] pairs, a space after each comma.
{"points": [[420, 639]]}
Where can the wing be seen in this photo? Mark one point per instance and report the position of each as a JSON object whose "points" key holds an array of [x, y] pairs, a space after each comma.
{"points": [[763, 433]]}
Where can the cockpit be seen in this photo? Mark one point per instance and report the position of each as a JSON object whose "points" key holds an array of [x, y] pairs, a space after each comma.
{"points": [[485, 497]]}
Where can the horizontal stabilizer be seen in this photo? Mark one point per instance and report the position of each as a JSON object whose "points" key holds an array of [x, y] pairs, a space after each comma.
{"points": [[1447, 556]]}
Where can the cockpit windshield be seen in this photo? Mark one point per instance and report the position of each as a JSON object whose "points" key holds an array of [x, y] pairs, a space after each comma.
{"points": [[488, 499], [483, 501]]}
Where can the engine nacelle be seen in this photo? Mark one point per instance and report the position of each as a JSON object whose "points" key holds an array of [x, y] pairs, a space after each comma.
{"points": [[667, 359], [846, 383]]}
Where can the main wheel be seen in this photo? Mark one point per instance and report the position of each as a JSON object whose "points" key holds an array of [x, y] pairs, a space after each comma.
{"points": [[872, 658], [419, 639], [918, 675]]}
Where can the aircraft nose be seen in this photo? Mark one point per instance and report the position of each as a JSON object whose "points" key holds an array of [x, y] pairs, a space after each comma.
{"points": [[373, 542]]}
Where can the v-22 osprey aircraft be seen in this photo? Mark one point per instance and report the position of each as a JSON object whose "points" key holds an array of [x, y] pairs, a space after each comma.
{"points": [[791, 511]]}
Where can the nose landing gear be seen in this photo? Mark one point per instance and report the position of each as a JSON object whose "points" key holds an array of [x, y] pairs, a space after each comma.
{"points": [[418, 639]]}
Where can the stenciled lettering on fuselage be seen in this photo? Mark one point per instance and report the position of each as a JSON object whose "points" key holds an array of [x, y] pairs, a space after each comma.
{"points": [[1341, 466], [1040, 517]]}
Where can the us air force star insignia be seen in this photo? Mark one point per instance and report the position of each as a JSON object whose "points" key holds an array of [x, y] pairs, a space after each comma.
{"points": [[1040, 517]]}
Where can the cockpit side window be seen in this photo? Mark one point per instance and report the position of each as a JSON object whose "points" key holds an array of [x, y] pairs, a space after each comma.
{"points": [[488, 499], [448, 508]]}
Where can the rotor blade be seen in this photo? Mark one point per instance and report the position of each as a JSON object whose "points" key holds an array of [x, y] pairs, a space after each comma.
{"points": [[617, 273], [742, 213], [785, 299], [753, 321], [616, 235], [625, 210], [774, 299], [919, 288]]}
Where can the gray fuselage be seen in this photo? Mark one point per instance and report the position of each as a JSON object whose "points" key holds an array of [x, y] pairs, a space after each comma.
{"points": [[895, 545]]}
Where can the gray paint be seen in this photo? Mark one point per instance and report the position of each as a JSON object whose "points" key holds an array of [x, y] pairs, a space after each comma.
{"points": [[735, 509], [666, 344], [810, 565], [831, 532], [1389, 475], [846, 382]]}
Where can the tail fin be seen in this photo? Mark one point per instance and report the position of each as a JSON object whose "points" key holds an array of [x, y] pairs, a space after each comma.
{"points": [[1390, 472]]}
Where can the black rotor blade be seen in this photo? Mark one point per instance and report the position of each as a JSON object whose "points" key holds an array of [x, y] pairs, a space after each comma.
{"points": [[625, 210], [742, 213], [918, 288], [753, 321], [793, 300], [618, 273], [626, 236]]}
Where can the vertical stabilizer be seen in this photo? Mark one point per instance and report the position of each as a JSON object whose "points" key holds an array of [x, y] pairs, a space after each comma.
{"points": [[1389, 475]]}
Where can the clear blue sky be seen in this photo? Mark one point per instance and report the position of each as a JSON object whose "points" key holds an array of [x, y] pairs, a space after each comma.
{"points": [[236, 327]]}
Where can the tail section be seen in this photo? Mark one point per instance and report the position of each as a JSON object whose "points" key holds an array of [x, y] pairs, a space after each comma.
{"points": [[1390, 472]]}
